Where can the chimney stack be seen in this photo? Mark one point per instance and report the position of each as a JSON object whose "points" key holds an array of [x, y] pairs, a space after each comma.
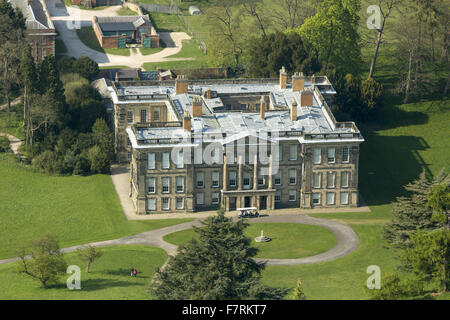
{"points": [[208, 94], [293, 111], [298, 81], [197, 107], [181, 84], [313, 79], [283, 78], [186, 121], [262, 108], [306, 98]]}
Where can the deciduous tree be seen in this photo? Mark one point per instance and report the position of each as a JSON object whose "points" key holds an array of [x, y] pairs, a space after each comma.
{"points": [[46, 262]]}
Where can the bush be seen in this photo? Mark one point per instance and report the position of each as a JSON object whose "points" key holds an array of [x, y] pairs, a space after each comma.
{"points": [[98, 160], [86, 67], [49, 162], [4, 144]]}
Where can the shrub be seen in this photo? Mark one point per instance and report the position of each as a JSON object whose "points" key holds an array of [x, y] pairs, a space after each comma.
{"points": [[98, 160], [86, 67], [4, 144]]}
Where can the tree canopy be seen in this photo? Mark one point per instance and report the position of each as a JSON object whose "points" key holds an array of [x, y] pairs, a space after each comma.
{"points": [[218, 266]]}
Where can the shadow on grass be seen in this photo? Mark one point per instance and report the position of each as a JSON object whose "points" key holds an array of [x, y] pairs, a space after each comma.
{"points": [[387, 164], [123, 272]]}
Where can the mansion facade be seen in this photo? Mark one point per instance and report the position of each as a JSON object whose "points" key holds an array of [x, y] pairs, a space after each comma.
{"points": [[264, 143]]}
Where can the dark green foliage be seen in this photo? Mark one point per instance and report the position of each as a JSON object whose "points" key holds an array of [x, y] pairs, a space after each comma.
{"points": [[103, 137], [217, 266], [439, 202], [28, 70], [411, 212], [48, 161], [4, 144], [46, 263], [65, 64], [429, 256], [279, 49], [86, 67], [393, 288], [85, 108]]}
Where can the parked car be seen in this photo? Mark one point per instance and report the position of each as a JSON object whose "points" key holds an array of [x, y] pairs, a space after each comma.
{"points": [[248, 212]]}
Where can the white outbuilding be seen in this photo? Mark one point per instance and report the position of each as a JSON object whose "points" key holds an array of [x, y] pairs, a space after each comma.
{"points": [[193, 10]]}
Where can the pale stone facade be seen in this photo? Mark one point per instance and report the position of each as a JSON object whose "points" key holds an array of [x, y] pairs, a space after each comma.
{"points": [[306, 160]]}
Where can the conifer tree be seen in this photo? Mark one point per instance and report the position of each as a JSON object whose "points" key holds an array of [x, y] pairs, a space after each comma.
{"points": [[411, 212], [218, 266]]}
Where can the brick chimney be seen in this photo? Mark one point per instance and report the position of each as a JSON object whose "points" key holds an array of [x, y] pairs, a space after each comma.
{"points": [[30, 2], [306, 98], [208, 94], [262, 108], [293, 110], [197, 107], [186, 121], [298, 81], [283, 78], [181, 84]]}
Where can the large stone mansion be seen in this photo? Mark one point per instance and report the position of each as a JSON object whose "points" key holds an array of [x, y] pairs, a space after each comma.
{"points": [[200, 145]]}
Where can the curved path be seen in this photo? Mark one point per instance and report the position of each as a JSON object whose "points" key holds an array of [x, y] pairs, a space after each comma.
{"points": [[67, 19], [347, 240]]}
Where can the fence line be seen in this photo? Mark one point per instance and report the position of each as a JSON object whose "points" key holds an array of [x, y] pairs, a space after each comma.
{"points": [[192, 31]]}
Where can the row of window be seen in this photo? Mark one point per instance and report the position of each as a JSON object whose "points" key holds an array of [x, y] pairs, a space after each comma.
{"points": [[143, 116], [165, 160], [292, 195], [165, 181], [331, 179], [330, 198], [247, 179], [331, 155], [165, 204]]}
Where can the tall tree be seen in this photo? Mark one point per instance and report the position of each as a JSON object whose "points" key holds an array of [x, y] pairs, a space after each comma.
{"points": [[429, 256], [46, 263], [217, 266], [29, 80], [226, 32], [386, 7], [12, 27], [268, 55], [411, 212], [332, 34], [103, 137]]}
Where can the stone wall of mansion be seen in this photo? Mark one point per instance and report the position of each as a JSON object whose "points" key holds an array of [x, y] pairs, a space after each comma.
{"points": [[308, 176]]}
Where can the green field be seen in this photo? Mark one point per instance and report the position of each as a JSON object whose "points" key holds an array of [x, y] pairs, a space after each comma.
{"points": [[124, 11], [109, 277], [87, 36], [289, 241], [76, 210]]}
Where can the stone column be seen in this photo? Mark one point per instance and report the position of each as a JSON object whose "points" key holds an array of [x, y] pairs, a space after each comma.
{"points": [[270, 186], [224, 179], [255, 173], [240, 173]]}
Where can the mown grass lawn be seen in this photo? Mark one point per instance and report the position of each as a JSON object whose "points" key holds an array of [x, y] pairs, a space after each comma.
{"points": [[87, 36], [288, 240], [108, 279], [124, 11], [76, 210]]}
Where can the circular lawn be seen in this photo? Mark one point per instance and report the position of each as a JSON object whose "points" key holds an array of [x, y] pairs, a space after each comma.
{"points": [[289, 240]]}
